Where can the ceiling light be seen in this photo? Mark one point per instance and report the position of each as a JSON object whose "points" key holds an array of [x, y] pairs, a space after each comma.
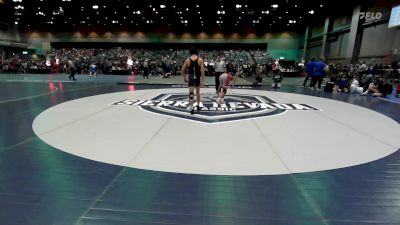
{"points": [[238, 6], [311, 12], [275, 6], [95, 6], [162, 6]]}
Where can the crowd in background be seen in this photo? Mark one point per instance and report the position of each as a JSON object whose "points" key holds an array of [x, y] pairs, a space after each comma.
{"points": [[138, 62], [368, 77], [362, 78]]}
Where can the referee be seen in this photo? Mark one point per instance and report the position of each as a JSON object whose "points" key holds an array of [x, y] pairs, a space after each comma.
{"points": [[220, 68]]}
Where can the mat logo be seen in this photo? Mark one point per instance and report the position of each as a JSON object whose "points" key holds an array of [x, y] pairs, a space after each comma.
{"points": [[236, 107]]}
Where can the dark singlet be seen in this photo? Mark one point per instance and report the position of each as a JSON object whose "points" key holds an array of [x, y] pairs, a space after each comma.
{"points": [[194, 69]]}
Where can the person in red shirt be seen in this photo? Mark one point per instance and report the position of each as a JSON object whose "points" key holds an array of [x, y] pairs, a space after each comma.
{"points": [[224, 81]]}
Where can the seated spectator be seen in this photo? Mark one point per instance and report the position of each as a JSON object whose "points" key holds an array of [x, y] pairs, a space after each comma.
{"points": [[385, 88], [342, 85], [330, 85], [355, 87], [366, 80], [379, 88]]}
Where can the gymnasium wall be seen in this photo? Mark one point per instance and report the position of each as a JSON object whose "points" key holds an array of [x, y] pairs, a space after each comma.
{"points": [[9, 36], [283, 44], [379, 42], [337, 47]]}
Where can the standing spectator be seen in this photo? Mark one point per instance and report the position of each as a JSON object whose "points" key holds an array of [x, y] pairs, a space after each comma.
{"points": [[72, 69], [319, 73], [310, 68], [93, 70], [146, 69]]}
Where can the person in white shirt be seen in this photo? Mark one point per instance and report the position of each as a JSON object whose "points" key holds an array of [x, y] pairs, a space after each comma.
{"points": [[355, 87], [93, 70], [220, 68]]}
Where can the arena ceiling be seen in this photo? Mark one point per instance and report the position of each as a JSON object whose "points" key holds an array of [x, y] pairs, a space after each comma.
{"points": [[169, 15]]}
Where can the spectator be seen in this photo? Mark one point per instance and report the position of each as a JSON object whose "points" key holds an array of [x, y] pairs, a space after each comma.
{"points": [[319, 73], [310, 69]]}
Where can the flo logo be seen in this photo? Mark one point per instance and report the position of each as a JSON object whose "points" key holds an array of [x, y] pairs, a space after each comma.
{"points": [[236, 107]]}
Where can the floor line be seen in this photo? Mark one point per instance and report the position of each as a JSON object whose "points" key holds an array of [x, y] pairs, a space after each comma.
{"points": [[115, 179], [30, 97], [353, 128], [311, 201], [79, 119], [100, 196], [389, 100], [19, 143]]}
